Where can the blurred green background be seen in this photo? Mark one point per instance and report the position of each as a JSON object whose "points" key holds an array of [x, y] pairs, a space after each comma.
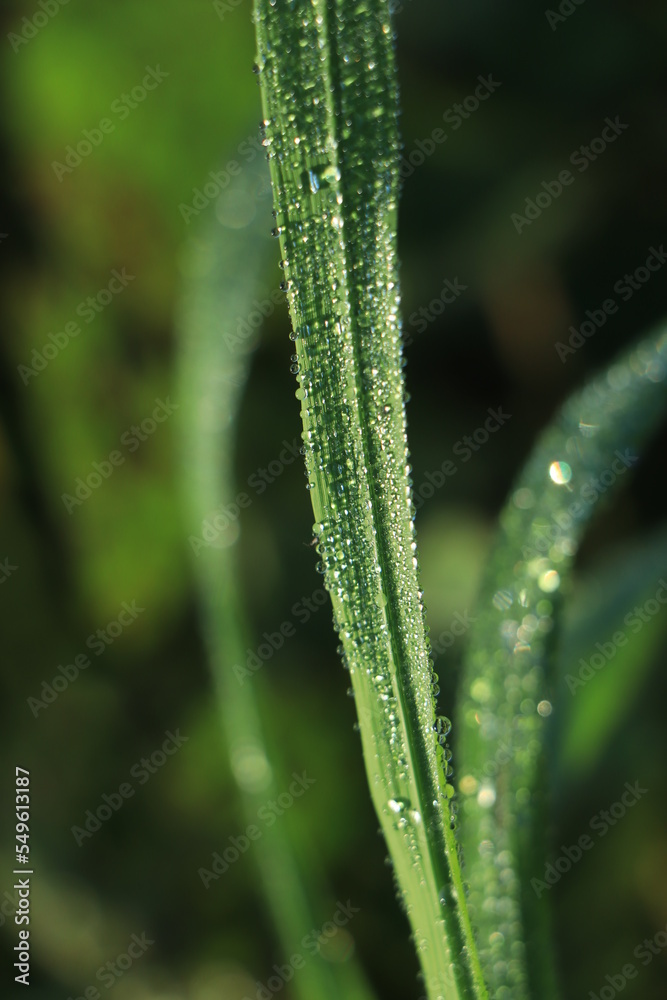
{"points": [[66, 69]]}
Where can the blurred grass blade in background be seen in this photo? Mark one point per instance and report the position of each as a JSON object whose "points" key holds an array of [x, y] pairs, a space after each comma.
{"points": [[220, 287], [507, 693], [606, 651], [329, 93]]}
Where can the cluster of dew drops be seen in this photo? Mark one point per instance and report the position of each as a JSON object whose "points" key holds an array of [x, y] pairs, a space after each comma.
{"points": [[402, 810]]}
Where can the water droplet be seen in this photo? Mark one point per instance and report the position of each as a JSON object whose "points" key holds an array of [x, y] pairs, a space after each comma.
{"points": [[502, 600], [560, 472], [443, 726], [480, 690], [486, 796], [468, 784], [524, 498], [549, 581], [398, 805]]}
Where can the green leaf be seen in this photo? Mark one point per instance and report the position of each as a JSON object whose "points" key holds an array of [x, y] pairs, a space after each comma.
{"points": [[508, 687], [214, 364], [330, 102], [608, 645]]}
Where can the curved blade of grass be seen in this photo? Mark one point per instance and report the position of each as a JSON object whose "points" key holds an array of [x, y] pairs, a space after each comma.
{"points": [[602, 612], [214, 363], [330, 103], [507, 690]]}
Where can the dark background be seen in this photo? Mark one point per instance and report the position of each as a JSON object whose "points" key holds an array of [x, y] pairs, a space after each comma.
{"points": [[493, 347]]}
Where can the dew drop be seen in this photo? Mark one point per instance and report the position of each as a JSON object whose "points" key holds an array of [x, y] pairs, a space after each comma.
{"points": [[486, 796], [502, 600], [560, 472], [443, 726], [549, 581], [398, 805]]}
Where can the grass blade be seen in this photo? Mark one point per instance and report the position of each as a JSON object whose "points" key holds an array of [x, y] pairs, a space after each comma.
{"points": [[213, 369], [329, 93], [508, 686], [597, 706]]}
